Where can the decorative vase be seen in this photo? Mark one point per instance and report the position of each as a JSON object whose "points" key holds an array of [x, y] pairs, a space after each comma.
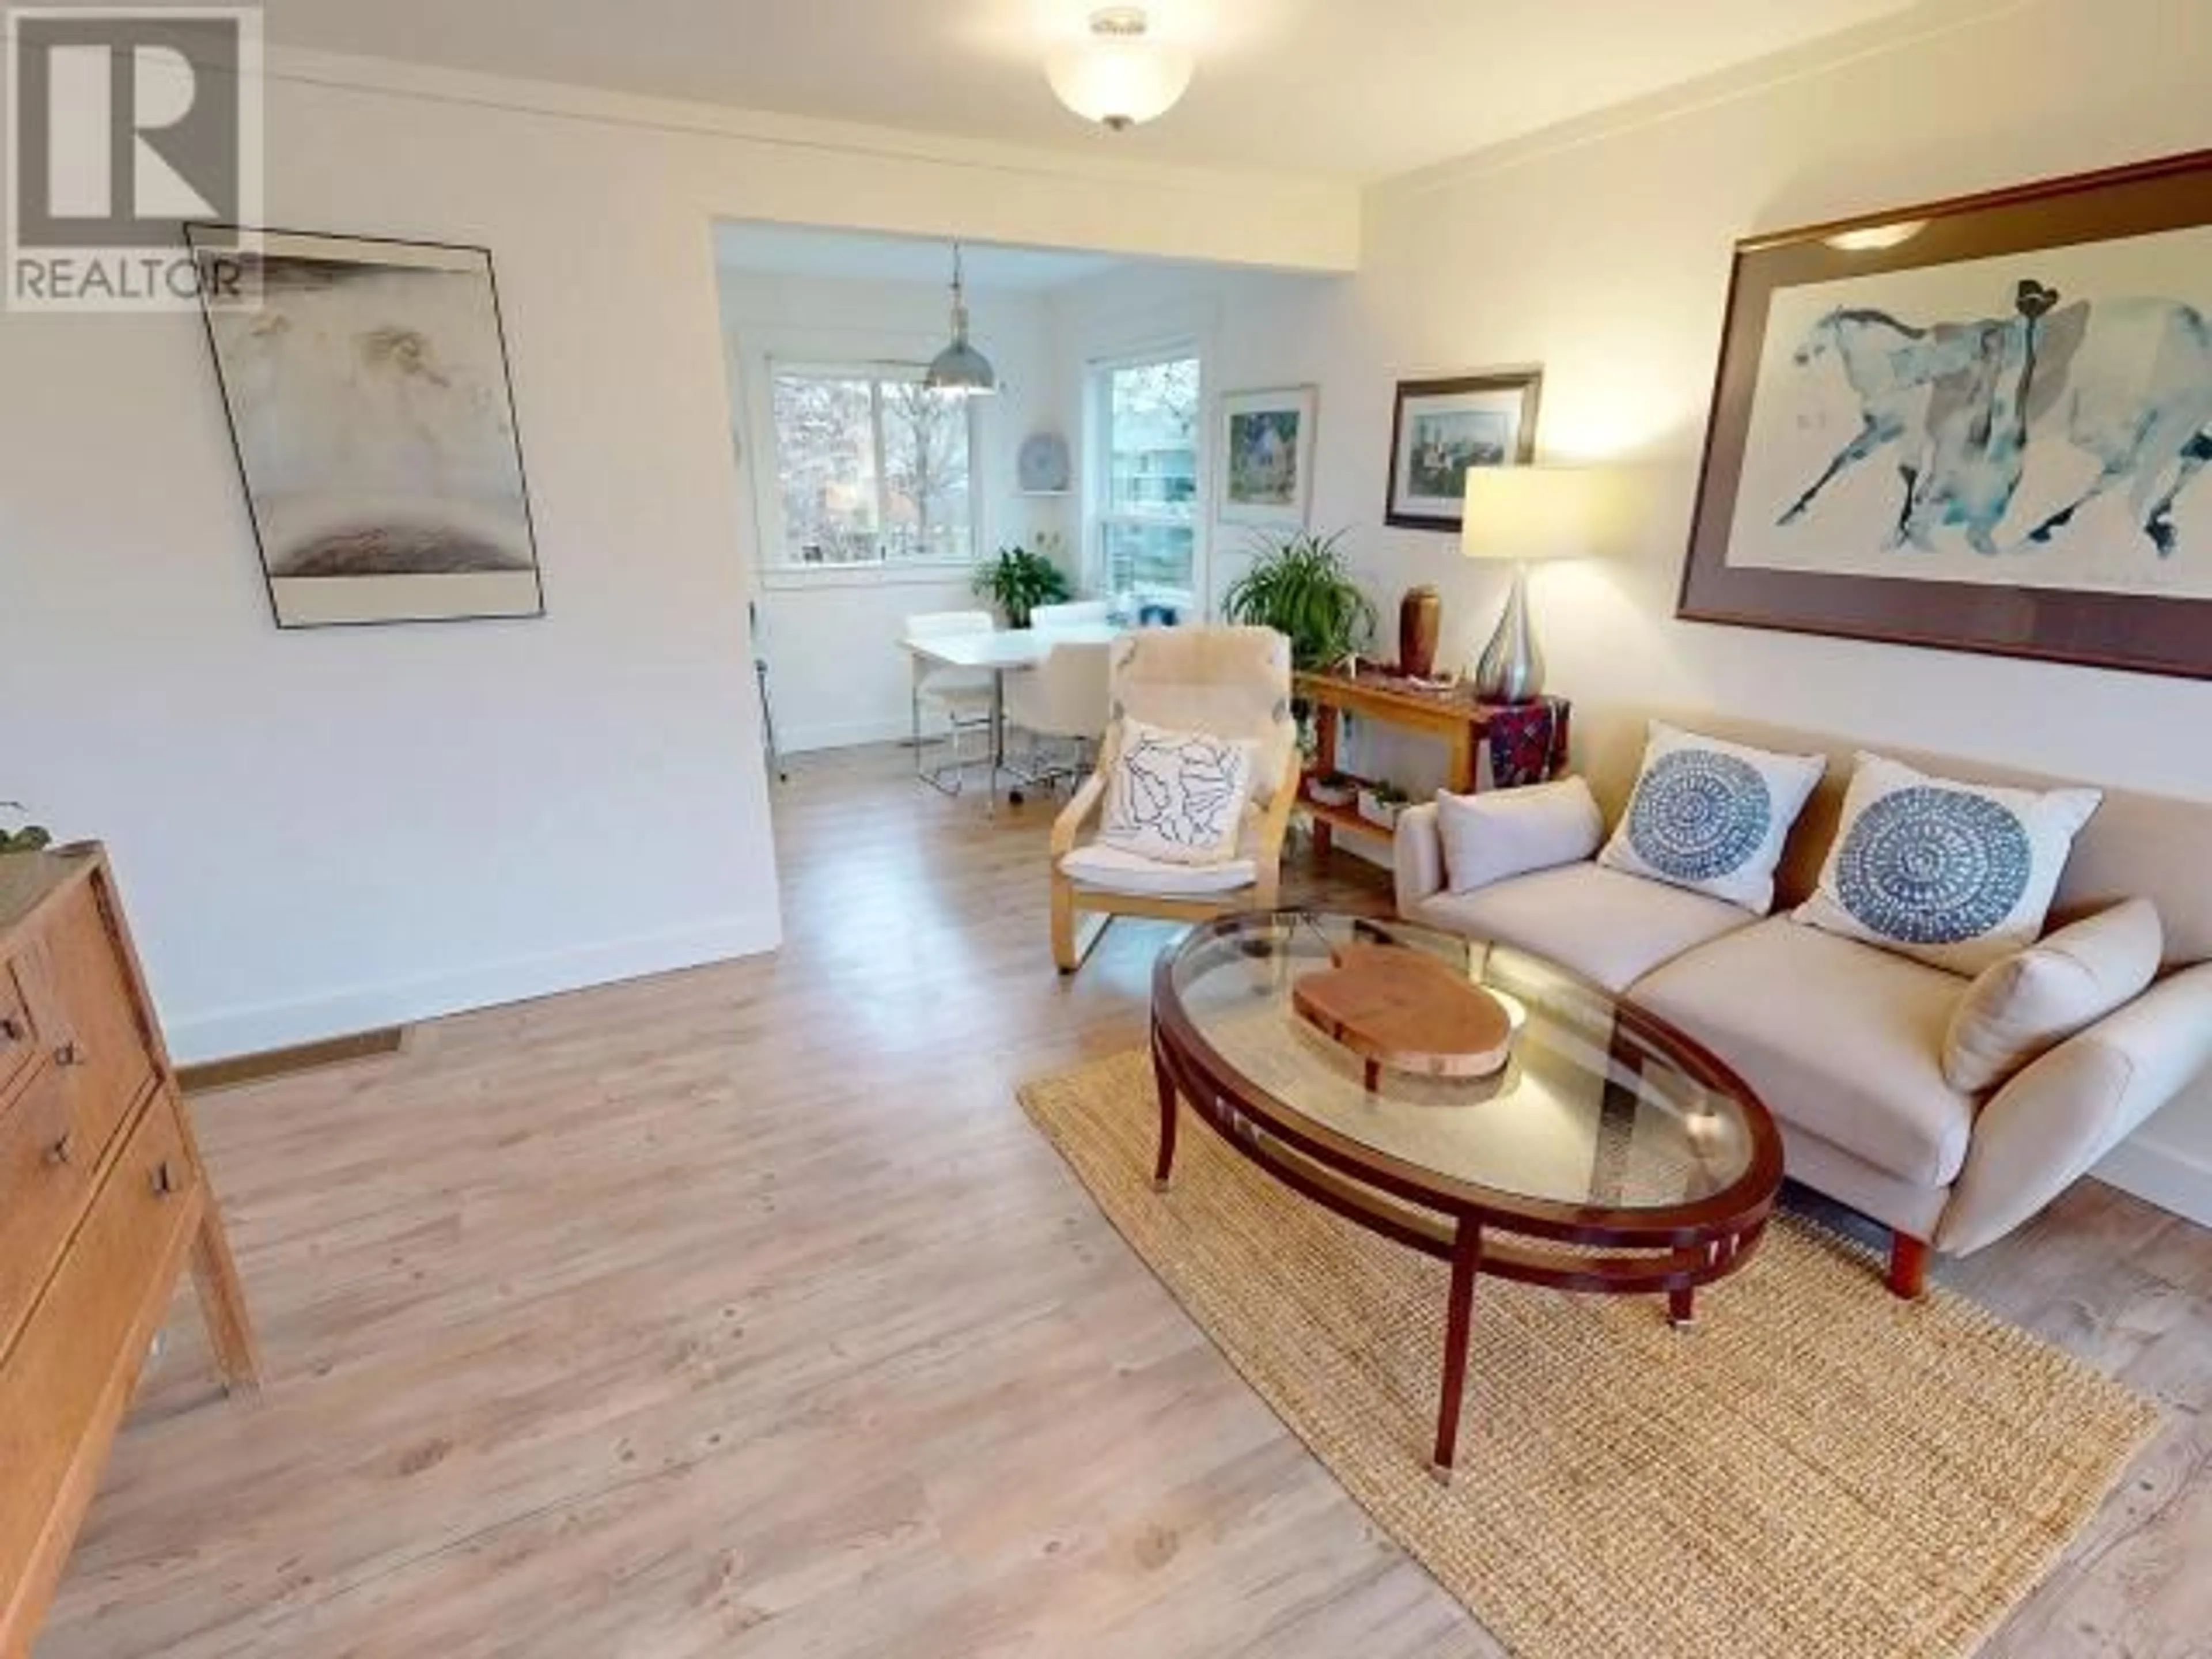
{"points": [[1420, 622], [1512, 667]]}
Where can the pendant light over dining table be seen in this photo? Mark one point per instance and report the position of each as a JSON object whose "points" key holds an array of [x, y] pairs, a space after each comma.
{"points": [[960, 368]]}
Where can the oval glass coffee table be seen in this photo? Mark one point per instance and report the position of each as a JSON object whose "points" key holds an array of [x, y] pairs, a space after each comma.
{"points": [[1611, 1153]]}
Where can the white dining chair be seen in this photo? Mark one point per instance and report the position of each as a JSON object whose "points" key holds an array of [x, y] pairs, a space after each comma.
{"points": [[1065, 700], [756, 624], [1078, 613], [961, 695]]}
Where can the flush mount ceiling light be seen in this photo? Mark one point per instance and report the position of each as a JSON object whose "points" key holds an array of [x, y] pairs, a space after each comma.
{"points": [[960, 368], [1119, 74]]}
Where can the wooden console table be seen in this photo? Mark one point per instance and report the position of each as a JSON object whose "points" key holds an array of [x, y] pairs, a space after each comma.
{"points": [[1451, 713]]}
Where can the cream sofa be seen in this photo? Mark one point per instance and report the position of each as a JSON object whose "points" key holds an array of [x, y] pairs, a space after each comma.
{"points": [[1843, 1041]]}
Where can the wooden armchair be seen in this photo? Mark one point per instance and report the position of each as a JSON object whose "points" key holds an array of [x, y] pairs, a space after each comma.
{"points": [[1231, 683]]}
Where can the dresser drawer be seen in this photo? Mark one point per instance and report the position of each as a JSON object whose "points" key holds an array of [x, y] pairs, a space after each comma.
{"points": [[19, 1031], [45, 1177], [66, 1381], [92, 1020]]}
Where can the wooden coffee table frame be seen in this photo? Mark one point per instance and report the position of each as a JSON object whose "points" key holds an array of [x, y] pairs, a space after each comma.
{"points": [[1668, 1251]]}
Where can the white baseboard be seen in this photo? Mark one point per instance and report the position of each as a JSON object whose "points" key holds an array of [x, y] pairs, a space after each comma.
{"points": [[2161, 1174], [195, 1037], [849, 734]]}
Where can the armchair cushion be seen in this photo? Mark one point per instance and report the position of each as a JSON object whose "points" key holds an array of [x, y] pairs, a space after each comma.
{"points": [[1511, 832], [2036, 998], [1116, 870], [1226, 682], [1176, 797]]}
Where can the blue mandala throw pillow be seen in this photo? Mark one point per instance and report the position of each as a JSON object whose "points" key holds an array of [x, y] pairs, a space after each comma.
{"points": [[1956, 875], [1711, 816]]}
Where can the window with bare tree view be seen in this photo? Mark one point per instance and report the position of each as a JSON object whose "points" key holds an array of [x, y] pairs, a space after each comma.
{"points": [[872, 467]]}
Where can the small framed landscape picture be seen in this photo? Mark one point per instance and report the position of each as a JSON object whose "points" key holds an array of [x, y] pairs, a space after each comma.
{"points": [[1267, 443], [1441, 428]]}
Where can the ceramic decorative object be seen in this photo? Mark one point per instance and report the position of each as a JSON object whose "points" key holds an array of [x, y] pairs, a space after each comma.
{"points": [[1420, 623], [1334, 789], [1044, 465]]}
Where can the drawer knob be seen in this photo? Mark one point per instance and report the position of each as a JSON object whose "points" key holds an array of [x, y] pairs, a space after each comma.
{"points": [[11, 1028], [62, 1150], [165, 1180], [70, 1053]]}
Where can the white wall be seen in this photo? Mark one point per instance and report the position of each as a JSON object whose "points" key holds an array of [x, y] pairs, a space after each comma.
{"points": [[837, 675], [320, 832], [1602, 250]]}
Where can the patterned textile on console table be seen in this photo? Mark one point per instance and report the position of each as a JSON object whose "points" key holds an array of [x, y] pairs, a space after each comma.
{"points": [[1529, 742]]}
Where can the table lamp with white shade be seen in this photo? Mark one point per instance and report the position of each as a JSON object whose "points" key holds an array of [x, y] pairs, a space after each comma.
{"points": [[1521, 514]]}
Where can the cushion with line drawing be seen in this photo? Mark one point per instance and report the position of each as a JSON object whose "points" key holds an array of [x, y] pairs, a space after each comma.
{"points": [[1176, 797]]}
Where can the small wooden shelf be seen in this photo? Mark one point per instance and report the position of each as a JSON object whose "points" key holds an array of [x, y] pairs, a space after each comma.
{"points": [[1347, 818], [1451, 713], [1342, 818]]}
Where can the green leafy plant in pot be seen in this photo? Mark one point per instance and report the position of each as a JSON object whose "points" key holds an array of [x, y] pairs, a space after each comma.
{"points": [[1021, 579], [29, 838], [1303, 589]]}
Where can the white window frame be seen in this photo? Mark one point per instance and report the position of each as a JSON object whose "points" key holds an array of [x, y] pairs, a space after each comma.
{"points": [[1097, 419], [767, 482]]}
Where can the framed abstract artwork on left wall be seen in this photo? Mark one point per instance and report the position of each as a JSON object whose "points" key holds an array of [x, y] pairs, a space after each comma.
{"points": [[366, 385]]}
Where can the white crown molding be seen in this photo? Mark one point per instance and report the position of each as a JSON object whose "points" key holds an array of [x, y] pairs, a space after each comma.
{"points": [[1320, 216], [1929, 21], [391, 78]]}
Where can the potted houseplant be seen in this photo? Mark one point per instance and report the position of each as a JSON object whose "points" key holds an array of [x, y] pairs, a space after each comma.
{"points": [[25, 838], [1303, 588], [1333, 789], [1021, 579], [1381, 803]]}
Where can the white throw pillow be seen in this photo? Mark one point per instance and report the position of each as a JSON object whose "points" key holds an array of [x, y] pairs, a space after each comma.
{"points": [[2034, 999], [1712, 816], [1511, 832], [1176, 797], [1956, 875]]}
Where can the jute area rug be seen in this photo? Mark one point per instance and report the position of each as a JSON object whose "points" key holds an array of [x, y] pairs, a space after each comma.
{"points": [[1815, 1471]]}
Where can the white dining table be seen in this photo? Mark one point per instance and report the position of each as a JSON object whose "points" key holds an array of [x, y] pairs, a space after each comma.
{"points": [[1000, 652]]}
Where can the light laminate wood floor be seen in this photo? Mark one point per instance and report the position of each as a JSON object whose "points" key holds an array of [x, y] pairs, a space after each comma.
{"points": [[739, 1311]]}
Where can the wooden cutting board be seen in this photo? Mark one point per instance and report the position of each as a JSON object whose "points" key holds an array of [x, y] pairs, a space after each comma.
{"points": [[1407, 1011]]}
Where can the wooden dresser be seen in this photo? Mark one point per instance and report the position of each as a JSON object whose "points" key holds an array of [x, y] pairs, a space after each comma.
{"points": [[102, 1200]]}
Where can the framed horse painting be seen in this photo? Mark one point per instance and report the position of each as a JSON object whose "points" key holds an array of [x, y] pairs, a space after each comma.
{"points": [[1981, 424]]}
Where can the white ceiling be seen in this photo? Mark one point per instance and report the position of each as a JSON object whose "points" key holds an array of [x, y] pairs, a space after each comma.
{"points": [[801, 250], [1341, 87]]}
